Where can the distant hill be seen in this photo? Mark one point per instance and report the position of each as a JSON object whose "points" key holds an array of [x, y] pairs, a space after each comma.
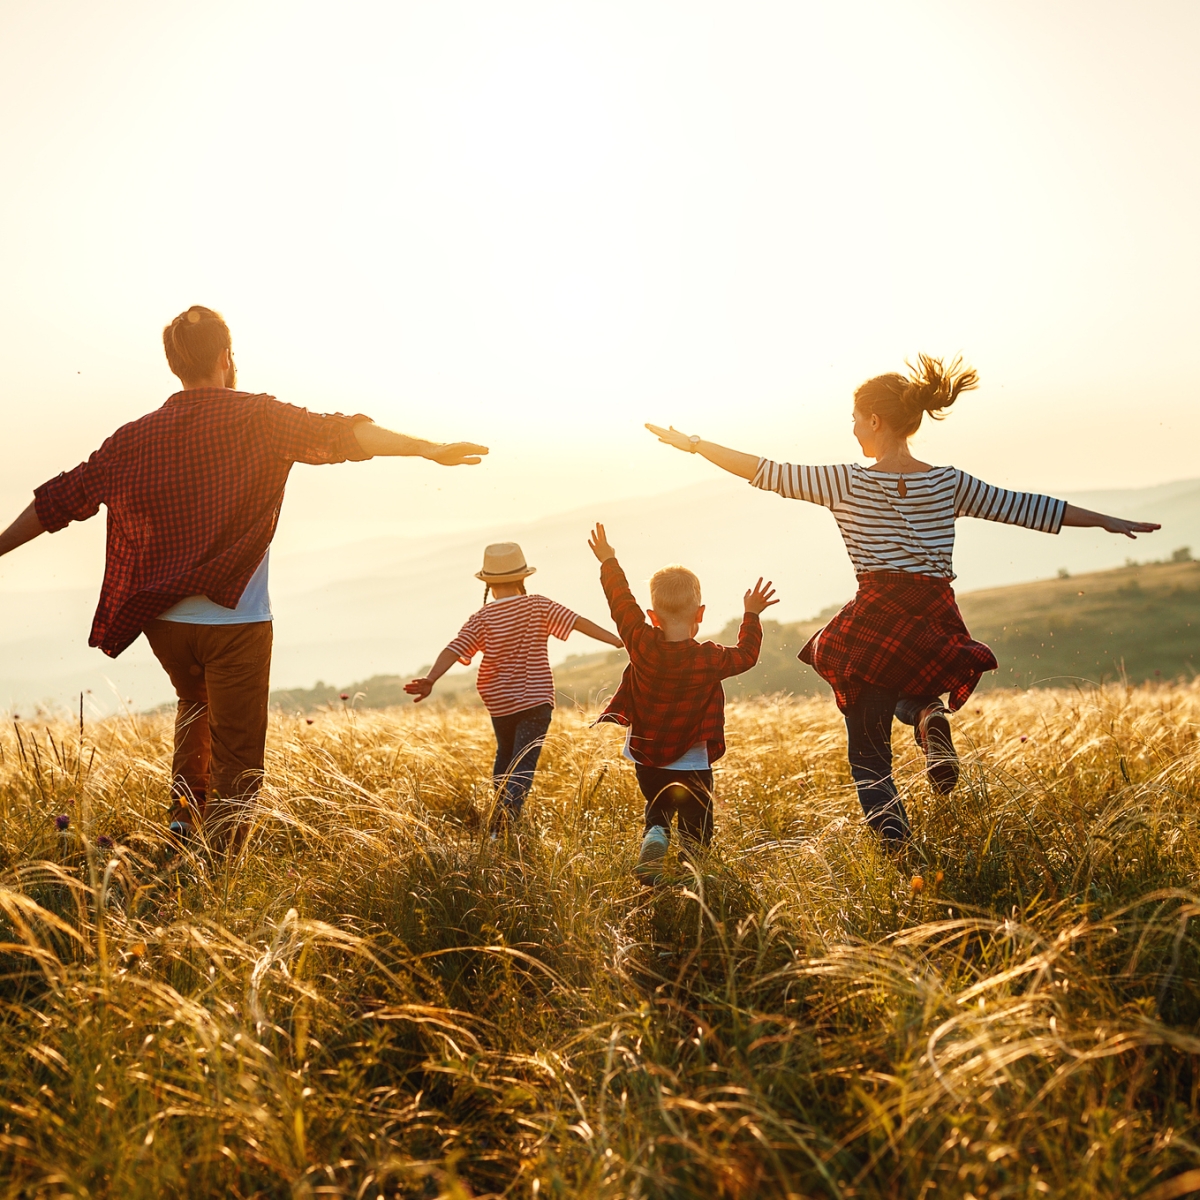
{"points": [[1140, 623]]}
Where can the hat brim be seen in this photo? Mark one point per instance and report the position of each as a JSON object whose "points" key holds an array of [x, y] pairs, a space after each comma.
{"points": [[506, 577]]}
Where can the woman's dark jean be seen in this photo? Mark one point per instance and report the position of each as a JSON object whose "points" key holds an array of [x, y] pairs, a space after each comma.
{"points": [[869, 732], [519, 740]]}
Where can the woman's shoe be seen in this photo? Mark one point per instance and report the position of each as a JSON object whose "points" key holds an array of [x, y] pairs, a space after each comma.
{"points": [[648, 868], [941, 759]]}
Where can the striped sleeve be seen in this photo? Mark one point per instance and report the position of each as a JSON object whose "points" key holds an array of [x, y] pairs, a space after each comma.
{"points": [[560, 620], [974, 498], [826, 486], [469, 641]]}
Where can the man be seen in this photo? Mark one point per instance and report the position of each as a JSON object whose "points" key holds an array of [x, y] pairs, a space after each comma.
{"points": [[193, 492]]}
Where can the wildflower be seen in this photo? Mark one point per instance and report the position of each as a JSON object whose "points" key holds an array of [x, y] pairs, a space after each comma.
{"points": [[918, 884], [104, 842], [939, 877], [61, 822], [1024, 738], [345, 696], [308, 720]]}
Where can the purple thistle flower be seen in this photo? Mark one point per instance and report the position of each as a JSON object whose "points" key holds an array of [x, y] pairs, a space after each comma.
{"points": [[104, 842], [61, 822], [1024, 738], [345, 696]]}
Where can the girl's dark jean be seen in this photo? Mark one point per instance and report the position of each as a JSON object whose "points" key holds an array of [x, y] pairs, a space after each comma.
{"points": [[869, 733], [688, 793], [519, 740]]}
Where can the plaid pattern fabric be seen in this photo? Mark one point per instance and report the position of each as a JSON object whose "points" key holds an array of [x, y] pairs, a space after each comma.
{"points": [[193, 492], [671, 695], [900, 631]]}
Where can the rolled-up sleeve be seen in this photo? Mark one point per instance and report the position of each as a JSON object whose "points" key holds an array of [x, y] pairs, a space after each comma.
{"points": [[826, 486], [72, 496], [297, 435], [974, 498]]}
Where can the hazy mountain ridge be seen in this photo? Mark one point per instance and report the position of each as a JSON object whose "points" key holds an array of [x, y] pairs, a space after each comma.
{"points": [[372, 608]]}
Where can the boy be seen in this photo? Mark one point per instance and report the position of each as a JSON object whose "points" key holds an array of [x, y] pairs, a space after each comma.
{"points": [[671, 699]]}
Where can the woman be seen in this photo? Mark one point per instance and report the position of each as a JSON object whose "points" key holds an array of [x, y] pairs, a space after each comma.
{"points": [[900, 644]]}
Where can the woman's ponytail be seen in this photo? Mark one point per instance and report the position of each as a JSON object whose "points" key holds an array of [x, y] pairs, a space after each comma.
{"points": [[900, 401]]}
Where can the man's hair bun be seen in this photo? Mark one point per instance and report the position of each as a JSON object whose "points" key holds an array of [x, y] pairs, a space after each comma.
{"points": [[194, 341]]}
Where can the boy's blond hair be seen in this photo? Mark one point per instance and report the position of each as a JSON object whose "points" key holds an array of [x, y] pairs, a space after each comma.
{"points": [[675, 592]]}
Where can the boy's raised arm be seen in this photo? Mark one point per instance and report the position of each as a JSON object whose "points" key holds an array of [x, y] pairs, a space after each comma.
{"points": [[626, 612], [740, 658]]}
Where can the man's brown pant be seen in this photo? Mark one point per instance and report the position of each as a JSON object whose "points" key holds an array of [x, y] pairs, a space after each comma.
{"points": [[221, 675]]}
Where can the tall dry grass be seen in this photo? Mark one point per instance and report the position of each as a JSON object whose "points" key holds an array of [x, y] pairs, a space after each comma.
{"points": [[377, 1001]]}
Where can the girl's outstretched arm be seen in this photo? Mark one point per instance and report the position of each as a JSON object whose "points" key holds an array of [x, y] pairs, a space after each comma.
{"points": [[583, 625], [419, 689], [1085, 518], [733, 461]]}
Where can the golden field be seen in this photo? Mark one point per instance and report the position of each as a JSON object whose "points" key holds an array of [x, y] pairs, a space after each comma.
{"points": [[376, 1000]]}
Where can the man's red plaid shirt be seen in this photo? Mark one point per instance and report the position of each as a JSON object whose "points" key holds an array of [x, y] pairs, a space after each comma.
{"points": [[671, 694], [193, 492]]}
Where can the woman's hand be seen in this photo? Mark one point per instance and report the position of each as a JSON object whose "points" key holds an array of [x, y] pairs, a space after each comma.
{"points": [[1085, 518], [672, 437], [598, 544], [759, 597]]}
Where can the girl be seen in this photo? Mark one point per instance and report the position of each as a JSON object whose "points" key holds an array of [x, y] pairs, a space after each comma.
{"points": [[514, 677], [901, 642]]}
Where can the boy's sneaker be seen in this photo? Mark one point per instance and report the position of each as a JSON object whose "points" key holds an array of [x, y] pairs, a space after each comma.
{"points": [[648, 868], [932, 731]]}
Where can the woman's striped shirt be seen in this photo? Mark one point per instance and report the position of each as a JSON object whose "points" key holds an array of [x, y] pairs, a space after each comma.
{"points": [[515, 672], [885, 531]]}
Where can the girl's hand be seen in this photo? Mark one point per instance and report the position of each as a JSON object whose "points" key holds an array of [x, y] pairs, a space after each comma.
{"points": [[598, 544], [759, 597], [672, 437], [419, 689]]}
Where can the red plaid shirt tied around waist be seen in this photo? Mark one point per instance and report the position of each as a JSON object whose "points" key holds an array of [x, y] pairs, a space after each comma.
{"points": [[193, 492], [671, 695], [900, 631]]}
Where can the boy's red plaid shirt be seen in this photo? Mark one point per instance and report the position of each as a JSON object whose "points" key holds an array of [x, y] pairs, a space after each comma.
{"points": [[671, 692], [193, 492]]}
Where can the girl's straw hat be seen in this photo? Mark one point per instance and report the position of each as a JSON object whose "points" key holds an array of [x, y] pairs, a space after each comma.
{"points": [[504, 562]]}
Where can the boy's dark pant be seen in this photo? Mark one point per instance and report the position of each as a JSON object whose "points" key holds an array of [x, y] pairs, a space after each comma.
{"points": [[221, 675], [519, 740], [688, 793], [869, 733]]}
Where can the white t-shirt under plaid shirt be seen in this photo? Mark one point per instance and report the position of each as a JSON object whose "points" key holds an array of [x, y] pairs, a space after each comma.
{"points": [[512, 634]]}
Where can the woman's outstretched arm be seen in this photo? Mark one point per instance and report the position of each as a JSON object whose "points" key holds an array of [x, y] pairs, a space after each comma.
{"points": [[733, 461], [1086, 519]]}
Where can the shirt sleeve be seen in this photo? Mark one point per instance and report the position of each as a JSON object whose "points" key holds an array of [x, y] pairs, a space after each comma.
{"points": [[974, 498], [735, 660], [826, 486], [560, 620], [626, 612], [297, 435], [74, 495], [469, 641]]}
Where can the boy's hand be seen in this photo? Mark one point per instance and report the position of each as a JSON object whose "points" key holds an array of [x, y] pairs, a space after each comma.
{"points": [[456, 454], [598, 544], [419, 689], [760, 597]]}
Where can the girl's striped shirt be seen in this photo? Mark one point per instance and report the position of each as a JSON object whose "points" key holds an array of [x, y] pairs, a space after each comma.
{"points": [[885, 531], [515, 672]]}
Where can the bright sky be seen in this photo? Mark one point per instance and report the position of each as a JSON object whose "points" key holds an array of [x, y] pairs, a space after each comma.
{"points": [[538, 225]]}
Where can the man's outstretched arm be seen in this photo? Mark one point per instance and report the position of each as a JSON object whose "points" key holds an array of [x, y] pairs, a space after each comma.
{"points": [[377, 441], [24, 529]]}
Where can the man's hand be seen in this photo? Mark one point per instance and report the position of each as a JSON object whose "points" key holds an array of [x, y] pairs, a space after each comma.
{"points": [[598, 544], [419, 689], [759, 597], [672, 437], [456, 454]]}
